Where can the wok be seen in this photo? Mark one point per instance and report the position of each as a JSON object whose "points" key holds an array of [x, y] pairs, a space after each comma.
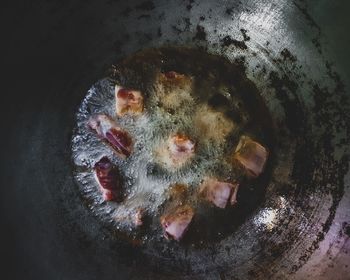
{"points": [[60, 49]]}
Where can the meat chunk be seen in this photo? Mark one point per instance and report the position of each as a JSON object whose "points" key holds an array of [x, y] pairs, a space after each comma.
{"points": [[138, 217], [111, 133], [176, 151], [219, 193], [107, 176], [177, 221], [233, 199], [128, 101], [181, 148], [251, 155]]}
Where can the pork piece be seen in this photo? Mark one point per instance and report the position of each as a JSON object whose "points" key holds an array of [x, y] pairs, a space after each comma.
{"points": [[138, 217], [107, 176], [107, 129], [176, 222], [219, 193], [181, 148], [175, 152], [233, 198], [128, 101], [251, 155]]}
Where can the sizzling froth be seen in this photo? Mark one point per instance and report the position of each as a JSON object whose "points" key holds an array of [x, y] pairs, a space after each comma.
{"points": [[176, 137]]}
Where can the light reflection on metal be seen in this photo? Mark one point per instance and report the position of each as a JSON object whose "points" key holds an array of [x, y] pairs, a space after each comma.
{"points": [[267, 217]]}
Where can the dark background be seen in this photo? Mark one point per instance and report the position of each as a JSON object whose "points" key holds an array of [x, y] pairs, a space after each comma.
{"points": [[45, 43]]}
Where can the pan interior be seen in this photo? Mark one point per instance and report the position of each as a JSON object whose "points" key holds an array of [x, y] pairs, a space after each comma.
{"points": [[296, 196], [218, 88]]}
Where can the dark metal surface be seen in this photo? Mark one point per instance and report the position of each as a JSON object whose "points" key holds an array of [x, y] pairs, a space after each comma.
{"points": [[59, 50]]}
